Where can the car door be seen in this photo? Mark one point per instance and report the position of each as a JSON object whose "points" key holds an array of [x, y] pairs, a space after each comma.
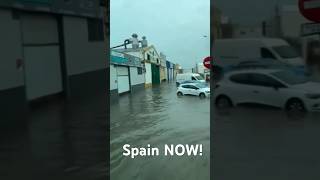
{"points": [[185, 89], [267, 90], [194, 90], [240, 89]]}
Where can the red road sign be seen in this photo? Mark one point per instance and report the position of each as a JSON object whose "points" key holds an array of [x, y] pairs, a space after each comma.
{"points": [[207, 62], [310, 9]]}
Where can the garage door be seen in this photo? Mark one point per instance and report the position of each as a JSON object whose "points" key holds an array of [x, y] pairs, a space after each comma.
{"points": [[123, 79], [42, 57]]}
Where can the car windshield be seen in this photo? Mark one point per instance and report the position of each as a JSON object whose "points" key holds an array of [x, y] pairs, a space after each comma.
{"points": [[286, 51], [198, 77], [290, 77]]}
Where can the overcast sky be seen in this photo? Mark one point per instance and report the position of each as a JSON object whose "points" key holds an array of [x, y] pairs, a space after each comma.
{"points": [[174, 27]]}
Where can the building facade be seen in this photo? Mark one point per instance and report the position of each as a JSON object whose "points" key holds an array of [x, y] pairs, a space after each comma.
{"points": [[170, 71], [51, 47], [126, 74], [150, 60]]}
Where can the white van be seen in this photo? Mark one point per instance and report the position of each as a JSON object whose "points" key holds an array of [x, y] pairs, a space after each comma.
{"points": [[189, 77], [234, 51]]}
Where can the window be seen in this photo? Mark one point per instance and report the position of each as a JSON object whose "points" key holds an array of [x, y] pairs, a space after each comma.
{"points": [[266, 53], [193, 78], [199, 77], [240, 78], [193, 87], [286, 51], [186, 86], [264, 80], [95, 29], [148, 57], [291, 77], [139, 69]]}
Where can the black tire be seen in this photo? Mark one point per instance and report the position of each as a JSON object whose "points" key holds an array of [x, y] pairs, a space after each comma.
{"points": [[295, 105], [223, 102], [179, 93], [202, 95]]}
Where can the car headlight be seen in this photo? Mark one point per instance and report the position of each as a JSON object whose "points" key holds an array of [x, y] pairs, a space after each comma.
{"points": [[313, 96]]}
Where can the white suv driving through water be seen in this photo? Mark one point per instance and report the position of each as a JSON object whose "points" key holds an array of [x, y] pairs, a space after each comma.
{"points": [[197, 89]]}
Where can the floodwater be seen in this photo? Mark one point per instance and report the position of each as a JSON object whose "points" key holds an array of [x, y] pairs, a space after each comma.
{"points": [[264, 143], [156, 116], [57, 140]]}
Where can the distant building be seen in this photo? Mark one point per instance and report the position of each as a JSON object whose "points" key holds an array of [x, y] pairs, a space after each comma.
{"points": [[151, 62], [170, 71], [163, 67], [286, 23], [247, 31], [126, 73]]}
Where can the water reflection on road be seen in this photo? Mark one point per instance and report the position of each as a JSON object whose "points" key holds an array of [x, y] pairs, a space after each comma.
{"points": [[263, 143], [157, 116]]}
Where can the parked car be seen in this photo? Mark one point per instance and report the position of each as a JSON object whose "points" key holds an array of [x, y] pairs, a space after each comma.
{"points": [[274, 87], [189, 77], [197, 89]]}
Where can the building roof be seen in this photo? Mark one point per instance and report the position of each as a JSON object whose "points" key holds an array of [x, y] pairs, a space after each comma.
{"points": [[136, 49]]}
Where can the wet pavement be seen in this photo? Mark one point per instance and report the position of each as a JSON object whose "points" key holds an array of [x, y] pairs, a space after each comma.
{"points": [[57, 140], [156, 116], [264, 143]]}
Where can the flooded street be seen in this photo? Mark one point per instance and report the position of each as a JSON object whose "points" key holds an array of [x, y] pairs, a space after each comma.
{"points": [[263, 143], [156, 116], [57, 140]]}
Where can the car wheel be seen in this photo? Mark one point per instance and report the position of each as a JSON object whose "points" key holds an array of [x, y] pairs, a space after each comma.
{"points": [[223, 102], [202, 95], [295, 105], [179, 94]]}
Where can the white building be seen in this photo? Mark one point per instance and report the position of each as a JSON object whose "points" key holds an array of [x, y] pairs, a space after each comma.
{"points": [[151, 62], [126, 74], [291, 20], [51, 48], [242, 31]]}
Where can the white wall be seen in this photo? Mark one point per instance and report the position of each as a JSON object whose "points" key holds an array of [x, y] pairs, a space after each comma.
{"points": [[82, 55], [136, 54], [148, 74], [135, 77], [291, 21], [113, 77], [11, 49]]}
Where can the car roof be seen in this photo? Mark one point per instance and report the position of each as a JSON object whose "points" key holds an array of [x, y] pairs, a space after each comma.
{"points": [[190, 84], [260, 71]]}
